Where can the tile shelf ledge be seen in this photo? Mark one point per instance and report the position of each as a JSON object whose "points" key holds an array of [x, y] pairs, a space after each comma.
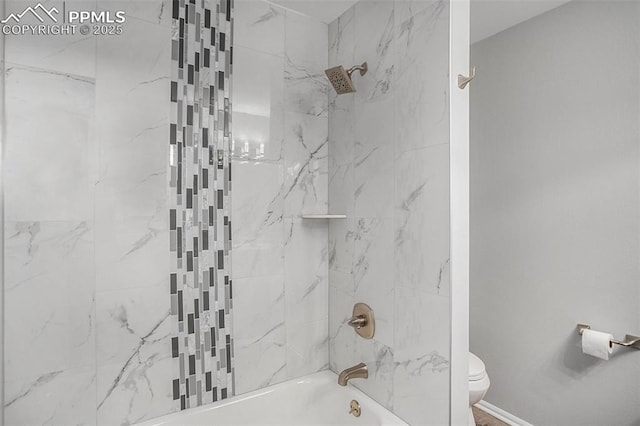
{"points": [[324, 216]]}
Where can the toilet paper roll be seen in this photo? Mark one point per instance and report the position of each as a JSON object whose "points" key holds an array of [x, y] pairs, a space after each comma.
{"points": [[597, 344]]}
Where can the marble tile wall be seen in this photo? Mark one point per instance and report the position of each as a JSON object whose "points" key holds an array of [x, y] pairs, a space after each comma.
{"points": [[280, 171], [389, 173], [87, 331]]}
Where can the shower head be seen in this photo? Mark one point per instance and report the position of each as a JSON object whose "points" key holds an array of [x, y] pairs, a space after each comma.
{"points": [[341, 79]]}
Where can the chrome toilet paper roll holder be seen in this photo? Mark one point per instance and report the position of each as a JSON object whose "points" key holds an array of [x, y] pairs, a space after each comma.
{"points": [[628, 342]]}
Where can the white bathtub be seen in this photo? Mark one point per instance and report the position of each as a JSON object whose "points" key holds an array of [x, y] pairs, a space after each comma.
{"points": [[311, 400]]}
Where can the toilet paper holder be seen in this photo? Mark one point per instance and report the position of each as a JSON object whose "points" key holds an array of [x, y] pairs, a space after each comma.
{"points": [[628, 342]]}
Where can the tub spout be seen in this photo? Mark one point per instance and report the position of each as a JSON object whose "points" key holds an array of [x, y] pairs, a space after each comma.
{"points": [[356, 372]]}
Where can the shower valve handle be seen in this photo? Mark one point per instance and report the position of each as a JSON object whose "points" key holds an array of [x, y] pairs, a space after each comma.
{"points": [[358, 321], [362, 321]]}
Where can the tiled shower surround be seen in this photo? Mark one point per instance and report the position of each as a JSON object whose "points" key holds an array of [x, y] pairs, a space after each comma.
{"points": [[280, 261], [92, 249], [380, 156], [389, 173], [199, 215], [94, 252], [87, 305]]}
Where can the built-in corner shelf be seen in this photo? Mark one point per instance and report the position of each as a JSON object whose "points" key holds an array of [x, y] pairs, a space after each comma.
{"points": [[324, 216]]}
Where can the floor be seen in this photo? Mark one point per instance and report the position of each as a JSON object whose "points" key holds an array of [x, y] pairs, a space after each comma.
{"points": [[484, 419]]}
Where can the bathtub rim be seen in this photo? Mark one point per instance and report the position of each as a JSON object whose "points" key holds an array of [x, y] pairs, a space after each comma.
{"points": [[320, 377]]}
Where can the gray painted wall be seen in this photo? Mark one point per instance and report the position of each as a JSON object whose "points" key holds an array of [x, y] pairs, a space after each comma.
{"points": [[554, 212]]}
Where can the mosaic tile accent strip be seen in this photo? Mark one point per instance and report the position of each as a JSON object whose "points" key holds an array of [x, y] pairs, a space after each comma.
{"points": [[199, 216]]}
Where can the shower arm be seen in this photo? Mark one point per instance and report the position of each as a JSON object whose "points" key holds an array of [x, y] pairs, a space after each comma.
{"points": [[362, 68]]}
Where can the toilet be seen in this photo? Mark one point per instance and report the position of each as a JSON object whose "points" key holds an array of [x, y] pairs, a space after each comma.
{"points": [[478, 383]]}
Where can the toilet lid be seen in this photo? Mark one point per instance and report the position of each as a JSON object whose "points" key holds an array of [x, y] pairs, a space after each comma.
{"points": [[476, 367]]}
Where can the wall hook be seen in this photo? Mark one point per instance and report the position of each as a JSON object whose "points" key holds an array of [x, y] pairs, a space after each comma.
{"points": [[463, 81]]}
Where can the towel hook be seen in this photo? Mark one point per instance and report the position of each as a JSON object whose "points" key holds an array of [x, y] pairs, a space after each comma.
{"points": [[463, 81]]}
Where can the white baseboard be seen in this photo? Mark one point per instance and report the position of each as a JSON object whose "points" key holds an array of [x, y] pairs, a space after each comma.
{"points": [[500, 414]]}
